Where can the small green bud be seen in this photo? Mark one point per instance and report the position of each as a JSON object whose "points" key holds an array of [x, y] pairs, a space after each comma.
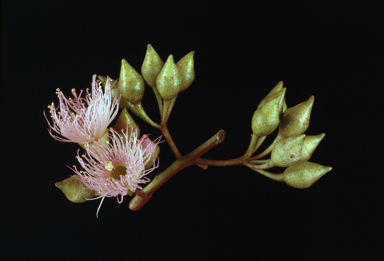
{"points": [[168, 81], [310, 144], [296, 119], [151, 66], [75, 190], [125, 119], [187, 70], [303, 174], [276, 89], [287, 151], [131, 84], [266, 118]]}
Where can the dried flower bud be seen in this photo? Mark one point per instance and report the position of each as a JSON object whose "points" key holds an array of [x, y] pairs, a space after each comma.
{"points": [[296, 119], [266, 118], [151, 66], [187, 70], [287, 151], [276, 89], [303, 174], [168, 81], [75, 190], [310, 144], [131, 84], [124, 120]]}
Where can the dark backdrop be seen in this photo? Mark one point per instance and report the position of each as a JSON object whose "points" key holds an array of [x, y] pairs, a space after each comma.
{"points": [[329, 50]]}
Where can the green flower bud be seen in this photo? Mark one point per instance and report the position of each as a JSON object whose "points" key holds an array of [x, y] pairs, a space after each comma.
{"points": [[131, 84], [303, 174], [168, 81], [310, 144], [287, 151], [75, 190], [276, 89], [186, 69], [125, 119], [266, 118], [296, 119], [151, 66]]}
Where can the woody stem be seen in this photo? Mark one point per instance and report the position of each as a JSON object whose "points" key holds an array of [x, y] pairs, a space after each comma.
{"points": [[137, 202]]}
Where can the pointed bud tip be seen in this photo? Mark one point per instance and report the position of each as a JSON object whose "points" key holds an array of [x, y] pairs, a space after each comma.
{"points": [[170, 59]]}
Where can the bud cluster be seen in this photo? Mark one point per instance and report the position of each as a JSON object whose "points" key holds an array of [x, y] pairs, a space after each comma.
{"points": [[291, 148]]}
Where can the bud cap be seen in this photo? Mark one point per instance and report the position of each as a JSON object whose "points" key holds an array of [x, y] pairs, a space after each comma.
{"points": [[151, 66], [168, 81], [187, 70], [131, 84], [296, 119], [303, 174], [75, 190]]}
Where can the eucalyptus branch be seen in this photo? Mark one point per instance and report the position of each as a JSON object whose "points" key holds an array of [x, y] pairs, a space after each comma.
{"points": [[118, 159], [137, 202]]}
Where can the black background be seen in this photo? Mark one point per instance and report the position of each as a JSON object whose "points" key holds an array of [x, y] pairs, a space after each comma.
{"points": [[328, 49]]}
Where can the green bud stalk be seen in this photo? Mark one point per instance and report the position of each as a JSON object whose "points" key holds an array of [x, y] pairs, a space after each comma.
{"points": [[287, 151], [75, 190], [169, 81], [296, 119], [131, 84]]}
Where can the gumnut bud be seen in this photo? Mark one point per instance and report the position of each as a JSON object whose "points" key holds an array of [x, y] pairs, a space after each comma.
{"points": [[75, 190], [266, 118], [154, 149], [276, 89], [168, 81], [151, 66], [124, 121], [186, 69], [114, 91], [131, 84], [310, 144], [287, 151], [303, 174], [296, 119]]}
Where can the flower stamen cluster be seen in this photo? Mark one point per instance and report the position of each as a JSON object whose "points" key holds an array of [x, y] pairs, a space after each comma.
{"points": [[117, 167], [81, 119]]}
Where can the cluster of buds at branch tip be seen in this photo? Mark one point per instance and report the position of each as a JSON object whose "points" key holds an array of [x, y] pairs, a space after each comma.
{"points": [[291, 148], [117, 160]]}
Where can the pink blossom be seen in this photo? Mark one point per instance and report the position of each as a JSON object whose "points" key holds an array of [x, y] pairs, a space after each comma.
{"points": [[82, 119], [117, 167]]}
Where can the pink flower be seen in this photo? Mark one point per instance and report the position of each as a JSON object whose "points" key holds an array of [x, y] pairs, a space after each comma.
{"points": [[82, 119], [117, 167]]}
